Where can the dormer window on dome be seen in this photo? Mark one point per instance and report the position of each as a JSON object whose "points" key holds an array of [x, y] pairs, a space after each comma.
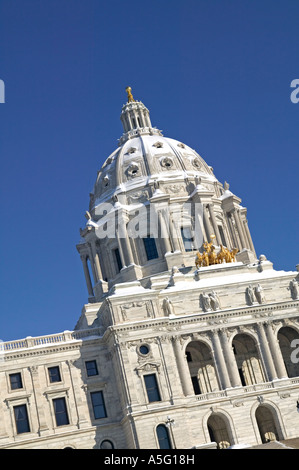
{"points": [[158, 145]]}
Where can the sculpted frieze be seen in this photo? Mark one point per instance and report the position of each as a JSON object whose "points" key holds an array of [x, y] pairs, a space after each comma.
{"points": [[138, 196], [137, 309], [174, 189]]}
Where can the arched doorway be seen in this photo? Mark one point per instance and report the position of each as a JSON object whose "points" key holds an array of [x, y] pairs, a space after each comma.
{"points": [[218, 431], [266, 424], [285, 337], [163, 437], [249, 363], [201, 367]]}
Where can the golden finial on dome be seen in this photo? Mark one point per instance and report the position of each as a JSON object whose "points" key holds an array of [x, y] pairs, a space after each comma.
{"points": [[130, 96]]}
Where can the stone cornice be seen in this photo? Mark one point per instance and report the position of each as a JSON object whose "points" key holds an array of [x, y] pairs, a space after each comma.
{"points": [[158, 325], [255, 312]]}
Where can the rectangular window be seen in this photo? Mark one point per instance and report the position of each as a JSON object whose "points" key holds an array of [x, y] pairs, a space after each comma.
{"points": [[15, 381], [21, 417], [98, 405], [150, 248], [187, 238], [118, 259], [54, 374], [60, 411], [152, 389], [91, 368]]}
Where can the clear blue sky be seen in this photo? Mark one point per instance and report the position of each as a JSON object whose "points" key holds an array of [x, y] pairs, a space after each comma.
{"points": [[215, 74]]}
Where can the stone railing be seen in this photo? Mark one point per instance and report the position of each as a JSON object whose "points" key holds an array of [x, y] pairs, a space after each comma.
{"points": [[31, 342], [211, 395], [257, 387], [246, 389]]}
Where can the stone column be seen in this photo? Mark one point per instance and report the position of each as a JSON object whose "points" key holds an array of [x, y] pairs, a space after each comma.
{"points": [[239, 227], [92, 264], [182, 366], [164, 234], [266, 353], [98, 270], [199, 228], [120, 249], [174, 235], [251, 246], [214, 223], [107, 261], [125, 241], [87, 275], [234, 239], [142, 118], [276, 352], [220, 362], [206, 222], [147, 120], [230, 360], [129, 121], [136, 118]]}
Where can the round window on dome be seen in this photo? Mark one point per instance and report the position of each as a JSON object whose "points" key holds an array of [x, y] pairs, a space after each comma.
{"points": [[133, 170], [144, 349], [167, 162], [196, 162]]}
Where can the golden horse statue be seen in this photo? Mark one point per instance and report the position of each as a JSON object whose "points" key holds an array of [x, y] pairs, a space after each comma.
{"points": [[221, 254], [198, 260], [233, 254], [212, 256], [209, 256]]}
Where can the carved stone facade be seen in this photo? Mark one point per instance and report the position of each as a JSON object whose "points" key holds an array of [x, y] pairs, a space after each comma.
{"points": [[208, 355]]}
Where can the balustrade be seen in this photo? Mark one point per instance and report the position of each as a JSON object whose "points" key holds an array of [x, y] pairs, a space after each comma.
{"points": [[50, 339]]}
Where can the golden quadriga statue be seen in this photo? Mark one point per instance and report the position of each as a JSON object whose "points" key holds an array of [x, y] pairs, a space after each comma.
{"points": [[210, 257]]}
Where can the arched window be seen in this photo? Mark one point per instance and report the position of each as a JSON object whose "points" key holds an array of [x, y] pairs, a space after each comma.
{"points": [[285, 337], [248, 360], [218, 431], [163, 437], [201, 367], [266, 424]]}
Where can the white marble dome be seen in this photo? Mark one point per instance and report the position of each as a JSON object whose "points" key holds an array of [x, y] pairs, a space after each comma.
{"points": [[144, 156], [155, 201]]}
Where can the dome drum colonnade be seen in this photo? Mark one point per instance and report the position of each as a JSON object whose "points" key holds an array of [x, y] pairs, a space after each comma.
{"points": [[179, 195]]}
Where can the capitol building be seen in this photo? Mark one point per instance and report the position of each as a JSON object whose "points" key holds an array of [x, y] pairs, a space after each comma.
{"points": [[189, 338]]}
